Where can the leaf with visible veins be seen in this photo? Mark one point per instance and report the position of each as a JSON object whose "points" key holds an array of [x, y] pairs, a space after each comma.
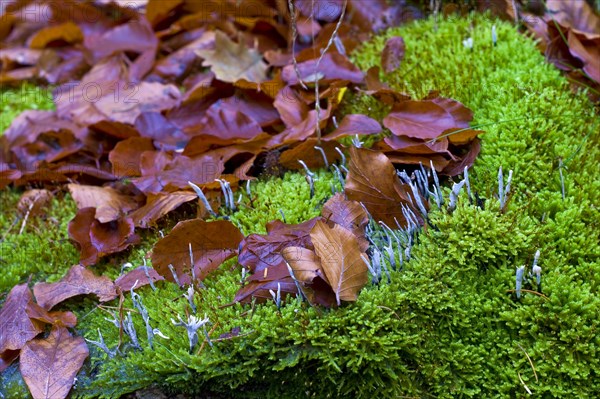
{"points": [[212, 244], [341, 260], [78, 281], [231, 61], [49, 365]]}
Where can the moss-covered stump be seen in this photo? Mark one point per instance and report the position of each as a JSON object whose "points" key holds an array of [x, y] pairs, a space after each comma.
{"points": [[449, 323]]}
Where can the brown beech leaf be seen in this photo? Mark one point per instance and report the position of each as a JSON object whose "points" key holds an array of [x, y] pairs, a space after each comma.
{"points": [[66, 33], [259, 252], [393, 54], [164, 172], [34, 202], [49, 365], [7, 357], [96, 240], [138, 278], [305, 263], [354, 124], [136, 98], [261, 290], [159, 10], [427, 119], [348, 214], [333, 66], [310, 275], [125, 157], [212, 244], [340, 256], [372, 180], [306, 152], [109, 203], [63, 319], [78, 281], [158, 205], [16, 326], [231, 61]]}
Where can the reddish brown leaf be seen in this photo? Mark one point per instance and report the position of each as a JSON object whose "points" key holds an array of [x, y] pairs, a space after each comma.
{"points": [[333, 66], [158, 205], [61, 319], [95, 239], [307, 153], [232, 61], [159, 10], [393, 54], [138, 278], [310, 275], [78, 281], [354, 124], [261, 290], [16, 328], [66, 33], [259, 252], [125, 157], [49, 365], [134, 99], [34, 202], [7, 357], [212, 244], [372, 180], [109, 203], [340, 256], [348, 214], [427, 119], [164, 172]]}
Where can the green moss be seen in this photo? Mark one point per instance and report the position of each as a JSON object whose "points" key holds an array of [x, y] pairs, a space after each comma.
{"points": [[14, 101], [42, 251], [283, 198]]}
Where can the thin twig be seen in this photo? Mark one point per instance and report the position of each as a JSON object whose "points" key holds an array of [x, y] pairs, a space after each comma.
{"points": [[530, 362], [531, 292], [323, 52], [294, 37]]}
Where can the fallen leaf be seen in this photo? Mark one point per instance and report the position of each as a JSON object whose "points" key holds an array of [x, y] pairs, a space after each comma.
{"points": [[333, 66], [125, 157], [78, 281], [354, 124], [166, 172], [310, 275], [212, 244], [372, 180], [61, 319], [49, 365], [231, 61], [137, 277], [16, 328], [393, 54], [96, 240], [158, 205], [110, 205], [427, 119], [34, 202], [65, 33], [259, 252], [340, 256], [306, 152], [348, 214]]}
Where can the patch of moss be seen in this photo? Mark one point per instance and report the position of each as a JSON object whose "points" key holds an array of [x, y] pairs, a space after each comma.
{"points": [[43, 251], [13, 101]]}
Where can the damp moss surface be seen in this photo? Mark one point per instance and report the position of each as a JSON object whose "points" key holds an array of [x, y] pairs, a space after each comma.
{"points": [[448, 324]]}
